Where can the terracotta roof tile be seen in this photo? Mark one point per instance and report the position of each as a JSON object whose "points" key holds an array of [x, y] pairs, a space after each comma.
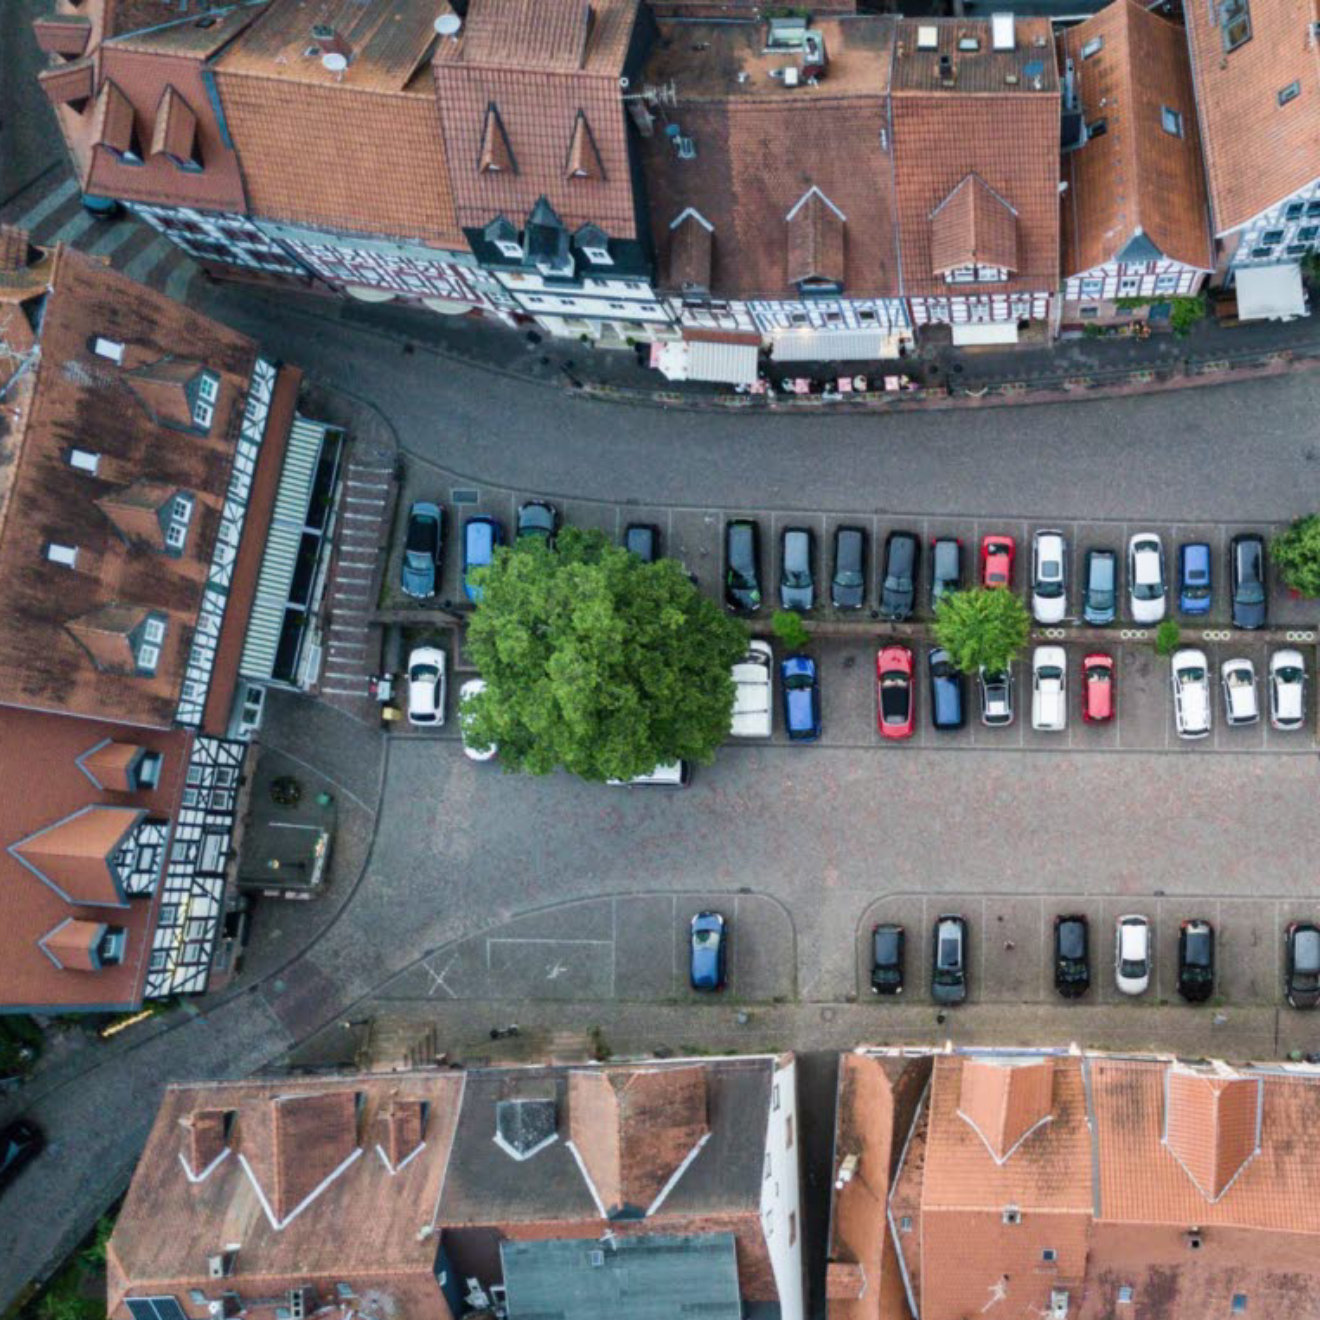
{"points": [[495, 153], [63, 34], [816, 238], [583, 158], [73, 854], [973, 226], [528, 34], [69, 83], [1257, 152], [72, 944], [175, 132], [206, 1138], [1136, 179], [115, 125], [1211, 1126], [844, 1282], [162, 388], [15, 249], [111, 764], [690, 251], [136, 512], [401, 1128], [1006, 1102]]}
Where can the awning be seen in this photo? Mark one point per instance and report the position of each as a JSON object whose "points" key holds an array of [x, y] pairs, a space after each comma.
{"points": [[985, 332], [279, 559], [1270, 293], [835, 345], [728, 364]]}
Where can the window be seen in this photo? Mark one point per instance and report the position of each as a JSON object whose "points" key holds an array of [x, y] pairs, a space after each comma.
{"points": [[1262, 253], [774, 1096], [208, 387], [208, 391], [509, 249], [1012, 1215], [1171, 121], [788, 1132], [154, 631], [84, 460], [148, 657], [598, 256], [1090, 312], [1235, 24], [1093, 47], [905, 1224], [792, 1227], [1297, 249], [767, 1166], [62, 554], [1293, 211], [1097, 129], [176, 535], [1290, 93], [1272, 236], [110, 349], [1093, 288], [1166, 284], [1312, 208], [1239, 1303], [110, 951], [1049, 1255], [1307, 233], [1125, 1293]]}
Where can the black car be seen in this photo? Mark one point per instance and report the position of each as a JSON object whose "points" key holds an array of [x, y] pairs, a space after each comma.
{"points": [[1246, 563], [948, 980], [742, 566], [946, 568], [642, 540], [1196, 960], [948, 696], [1302, 957], [1072, 956], [1100, 588], [20, 1143], [797, 569], [421, 551], [538, 521], [898, 590], [888, 946], [848, 585]]}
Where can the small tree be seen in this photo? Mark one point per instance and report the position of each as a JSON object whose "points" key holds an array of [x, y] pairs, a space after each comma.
{"points": [[1167, 637], [787, 625], [598, 663], [982, 627], [1296, 554]]}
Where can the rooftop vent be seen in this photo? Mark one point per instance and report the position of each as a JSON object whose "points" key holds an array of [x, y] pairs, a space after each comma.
{"points": [[448, 25], [331, 42], [928, 37], [1002, 32], [1058, 1304], [947, 75]]}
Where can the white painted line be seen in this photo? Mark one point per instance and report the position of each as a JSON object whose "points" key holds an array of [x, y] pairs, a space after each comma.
{"points": [[151, 256], [176, 286], [344, 692], [34, 215], [72, 230], [112, 239], [353, 484], [363, 517]]}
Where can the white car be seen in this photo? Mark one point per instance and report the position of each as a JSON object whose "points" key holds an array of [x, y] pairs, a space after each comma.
{"points": [[753, 695], [1132, 955], [1238, 679], [1049, 689], [473, 687], [1191, 693], [1287, 690], [1049, 577], [426, 686], [1147, 589]]}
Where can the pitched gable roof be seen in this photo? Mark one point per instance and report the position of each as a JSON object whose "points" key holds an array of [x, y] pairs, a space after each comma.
{"points": [[115, 125], [68, 84], [175, 132], [74, 855], [111, 765], [1006, 1102], [815, 239], [691, 249], [1212, 1126], [522, 34], [583, 158], [72, 945], [495, 152], [973, 226]]}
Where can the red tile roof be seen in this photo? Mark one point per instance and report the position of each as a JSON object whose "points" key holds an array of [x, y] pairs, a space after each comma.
{"points": [[74, 855], [1257, 152], [1006, 1101], [63, 34], [1212, 1125], [111, 765], [73, 944], [973, 226], [815, 239], [1136, 179]]}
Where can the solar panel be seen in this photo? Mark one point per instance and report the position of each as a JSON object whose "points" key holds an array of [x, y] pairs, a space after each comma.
{"points": [[141, 1309], [169, 1309]]}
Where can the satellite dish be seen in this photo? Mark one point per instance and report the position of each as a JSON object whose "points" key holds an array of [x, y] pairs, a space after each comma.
{"points": [[448, 25], [334, 61]]}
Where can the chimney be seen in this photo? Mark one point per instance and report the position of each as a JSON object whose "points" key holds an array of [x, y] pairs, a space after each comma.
{"points": [[948, 74], [331, 41]]}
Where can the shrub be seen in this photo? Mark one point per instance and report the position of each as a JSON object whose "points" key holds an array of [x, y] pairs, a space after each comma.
{"points": [[787, 625], [1167, 637]]}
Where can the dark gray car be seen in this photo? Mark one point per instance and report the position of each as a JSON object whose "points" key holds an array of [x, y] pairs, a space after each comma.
{"points": [[948, 981], [1100, 588], [848, 585], [898, 592], [797, 579], [946, 568]]}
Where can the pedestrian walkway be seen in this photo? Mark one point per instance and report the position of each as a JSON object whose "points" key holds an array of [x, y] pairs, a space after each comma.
{"points": [[51, 211]]}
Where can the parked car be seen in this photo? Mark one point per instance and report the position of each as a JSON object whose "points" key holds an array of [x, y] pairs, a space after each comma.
{"points": [[797, 569], [538, 521], [1100, 588], [1072, 956], [481, 537], [742, 566], [946, 568], [1196, 960], [1146, 582], [1191, 693], [1246, 561], [1287, 690], [1049, 577], [898, 587], [1132, 955], [670, 774], [888, 950], [753, 692], [848, 585], [20, 1143], [800, 685], [642, 541], [948, 981], [996, 696], [1049, 689], [946, 691], [1238, 680], [997, 561], [473, 688], [1302, 964], [709, 951], [426, 686], [1195, 588], [421, 551], [1097, 688], [895, 698]]}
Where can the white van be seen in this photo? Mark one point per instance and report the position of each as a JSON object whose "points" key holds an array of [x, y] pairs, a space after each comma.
{"points": [[752, 694], [677, 775], [1049, 700]]}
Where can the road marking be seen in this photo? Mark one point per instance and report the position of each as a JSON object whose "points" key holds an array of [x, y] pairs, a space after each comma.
{"points": [[176, 286], [34, 215], [149, 258], [113, 238], [72, 229]]}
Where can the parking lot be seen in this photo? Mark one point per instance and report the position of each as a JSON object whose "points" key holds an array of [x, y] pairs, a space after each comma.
{"points": [[1010, 944]]}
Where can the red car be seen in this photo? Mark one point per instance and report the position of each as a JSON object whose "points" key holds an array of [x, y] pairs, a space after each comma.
{"points": [[1098, 688], [997, 561], [896, 705]]}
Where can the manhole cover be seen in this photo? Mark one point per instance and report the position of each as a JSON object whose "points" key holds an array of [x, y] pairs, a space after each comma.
{"points": [[460, 495]]}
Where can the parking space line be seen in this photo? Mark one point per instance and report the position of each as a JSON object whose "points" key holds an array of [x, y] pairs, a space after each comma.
{"points": [[673, 944], [1045, 944], [981, 962], [614, 907]]}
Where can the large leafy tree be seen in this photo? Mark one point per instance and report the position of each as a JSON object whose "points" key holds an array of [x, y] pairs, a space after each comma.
{"points": [[982, 627], [1296, 554], [597, 662]]}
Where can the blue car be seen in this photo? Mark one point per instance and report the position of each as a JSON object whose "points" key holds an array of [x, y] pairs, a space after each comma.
{"points": [[480, 537], [1194, 586], [421, 551], [709, 951], [801, 689]]}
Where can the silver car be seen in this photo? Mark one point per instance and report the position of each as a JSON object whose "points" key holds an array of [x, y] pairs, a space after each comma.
{"points": [[1147, 586], [1238, 680]]}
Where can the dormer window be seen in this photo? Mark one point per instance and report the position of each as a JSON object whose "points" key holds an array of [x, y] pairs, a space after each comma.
{"points": [[65, 555], [1234, 24], [976, 275], [208, 391], [110, 349], [509, 249], [84, 460], [598, 256], [179, 515], [110, 951], [147, 649]]}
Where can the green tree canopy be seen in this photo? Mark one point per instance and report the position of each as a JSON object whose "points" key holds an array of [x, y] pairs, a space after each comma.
{"points": [[981, 627], [597, 662], [1296, 555]]}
